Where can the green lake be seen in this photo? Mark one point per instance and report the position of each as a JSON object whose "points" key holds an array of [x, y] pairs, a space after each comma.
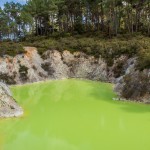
{"points": [[75, 115]]}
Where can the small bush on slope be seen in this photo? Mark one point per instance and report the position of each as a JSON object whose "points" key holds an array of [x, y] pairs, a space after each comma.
{"points": [[10, 48], [136, 85]]}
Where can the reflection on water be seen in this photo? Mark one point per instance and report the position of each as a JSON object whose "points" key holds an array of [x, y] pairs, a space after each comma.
{"points": [[75, 115]]}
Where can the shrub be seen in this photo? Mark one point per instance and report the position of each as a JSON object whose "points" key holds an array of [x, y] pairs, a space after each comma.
{"points": [[109, 49], [136, 85], [23, 70], [10, 48], [48, 68], [144, 59], [7, 79], [118, 69]]}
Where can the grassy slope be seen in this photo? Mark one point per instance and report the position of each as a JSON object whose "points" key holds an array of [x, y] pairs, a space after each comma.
{"points": [[109, 49]]}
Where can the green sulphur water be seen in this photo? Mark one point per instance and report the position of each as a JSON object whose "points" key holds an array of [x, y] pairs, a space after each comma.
{"points": [[75, 115]]}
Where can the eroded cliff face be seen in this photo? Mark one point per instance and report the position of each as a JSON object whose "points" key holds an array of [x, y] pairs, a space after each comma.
{"points": [[76, 65], [22, 68], [31, 67], [8, 106]]}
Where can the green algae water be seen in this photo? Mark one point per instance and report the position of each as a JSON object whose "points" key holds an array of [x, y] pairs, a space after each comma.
{"points": [[75, 115]]}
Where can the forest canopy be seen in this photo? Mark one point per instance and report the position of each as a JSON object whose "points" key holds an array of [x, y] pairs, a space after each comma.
{"points": [[44, 17]]}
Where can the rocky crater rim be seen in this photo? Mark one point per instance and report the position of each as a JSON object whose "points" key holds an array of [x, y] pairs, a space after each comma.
{"points": [[55, 65]]}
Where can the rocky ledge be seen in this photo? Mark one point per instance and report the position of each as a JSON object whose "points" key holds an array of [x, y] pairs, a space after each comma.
{"points": [[8, 106], [31, 67]]}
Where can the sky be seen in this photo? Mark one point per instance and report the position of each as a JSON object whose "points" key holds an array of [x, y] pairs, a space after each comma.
{"points": [[2, 2]]}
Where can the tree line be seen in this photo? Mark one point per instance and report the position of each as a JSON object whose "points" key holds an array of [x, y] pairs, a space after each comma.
{"points": [[44, 17]]}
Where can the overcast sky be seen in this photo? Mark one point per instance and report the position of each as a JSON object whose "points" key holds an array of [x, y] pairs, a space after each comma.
{"points": [[2, 2]]}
